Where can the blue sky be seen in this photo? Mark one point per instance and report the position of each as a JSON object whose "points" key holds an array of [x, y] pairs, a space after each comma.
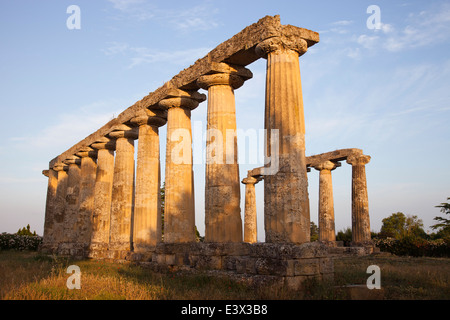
{"points": [[385, 91]]}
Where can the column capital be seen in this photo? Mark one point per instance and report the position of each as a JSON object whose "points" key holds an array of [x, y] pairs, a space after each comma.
{"points": [[154, 117], [123, 131], [251, 180], [60, 167], [358, 159], [104, 143], [282, 43], [87, 152], [182, 99], [225, 74], [72, 160], [326, 165]]}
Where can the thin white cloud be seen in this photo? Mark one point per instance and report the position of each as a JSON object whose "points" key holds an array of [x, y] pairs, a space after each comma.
{"points": [[143, 55], [199, 17]]}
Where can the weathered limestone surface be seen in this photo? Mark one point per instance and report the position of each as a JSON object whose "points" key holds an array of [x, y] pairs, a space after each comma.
{"points": [[102, 196], [286, 201], [326, 202], [122, 190], [88, 171], [280, 264], [49, 221], [147, 209], [179, 213], [360, 201], [72, 205], [223, 221], [250, 220]]}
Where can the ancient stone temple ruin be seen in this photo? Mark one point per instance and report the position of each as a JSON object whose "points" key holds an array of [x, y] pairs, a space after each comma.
{"points": [[101, 205]]}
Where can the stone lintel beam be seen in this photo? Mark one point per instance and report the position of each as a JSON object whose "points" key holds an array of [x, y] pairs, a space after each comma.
{"points": [[238, 50], [334, 156]]}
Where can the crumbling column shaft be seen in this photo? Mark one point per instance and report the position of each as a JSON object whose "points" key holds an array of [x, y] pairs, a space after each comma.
{"points": [[102, 200], [223, 221], [250, 219], [360, 201], [49, 221], [286, 201], [88, 171], [179, 214], [326, 206], [72, 204], [60, 205], [122, 195], [147, 215]]}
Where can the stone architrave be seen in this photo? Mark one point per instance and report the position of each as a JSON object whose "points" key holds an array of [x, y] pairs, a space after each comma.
{"points": [[102, 196], [121, 220], [179, 213], [250, 220], [147, 209], [49, 221], [326, 202], [88, 171], [286, 200], [60, 205], [72, 205], [223, 222], [360, 201]]}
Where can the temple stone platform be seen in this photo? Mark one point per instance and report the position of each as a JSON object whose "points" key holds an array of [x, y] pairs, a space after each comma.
{"points": [[286, 265]]}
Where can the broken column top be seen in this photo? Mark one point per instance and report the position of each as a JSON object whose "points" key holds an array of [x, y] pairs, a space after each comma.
{"points": [[239, 50]]}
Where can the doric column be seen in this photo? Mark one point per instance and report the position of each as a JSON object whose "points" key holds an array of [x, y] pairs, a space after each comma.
{"points": [[250, 221], [326, 203], [102, 196], [121, 228], [88, 171], [72, 202], [49, 219], [286, 201], [179, 214], [147, 207], [60, 204], [360, 201], [223, 221]]}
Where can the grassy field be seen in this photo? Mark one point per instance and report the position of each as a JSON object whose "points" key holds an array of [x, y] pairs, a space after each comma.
{"points": [[31, 276]]}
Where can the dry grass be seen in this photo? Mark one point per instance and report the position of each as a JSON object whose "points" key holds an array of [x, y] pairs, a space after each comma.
{"points": [[31, 276]]}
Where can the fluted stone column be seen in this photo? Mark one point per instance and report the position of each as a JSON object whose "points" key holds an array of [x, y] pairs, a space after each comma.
{"points": [[121, 227], [326, 202], [147, 208], [179, 214], [60, 205], [223, 222], [286, 201], [102, 196], [250, 220], [88, 171], [360, 202], [49, 220], [72, 205]]}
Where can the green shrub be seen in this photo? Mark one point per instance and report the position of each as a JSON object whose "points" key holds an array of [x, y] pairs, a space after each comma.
{"points": [[19, 242], [416, 247]]}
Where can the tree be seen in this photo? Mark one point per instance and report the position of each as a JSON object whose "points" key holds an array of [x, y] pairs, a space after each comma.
{"points": [[314, 232], [398, 226], [345, 236], [444, 224], [26, 231]]}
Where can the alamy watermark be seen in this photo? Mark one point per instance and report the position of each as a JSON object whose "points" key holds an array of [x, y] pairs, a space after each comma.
{"points": [[217, 147], [374, 20], [73, 281], [73, 22], [374, 281]]}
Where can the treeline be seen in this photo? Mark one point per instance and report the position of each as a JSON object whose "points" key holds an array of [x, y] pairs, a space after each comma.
{"points": [[402, 234]]}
